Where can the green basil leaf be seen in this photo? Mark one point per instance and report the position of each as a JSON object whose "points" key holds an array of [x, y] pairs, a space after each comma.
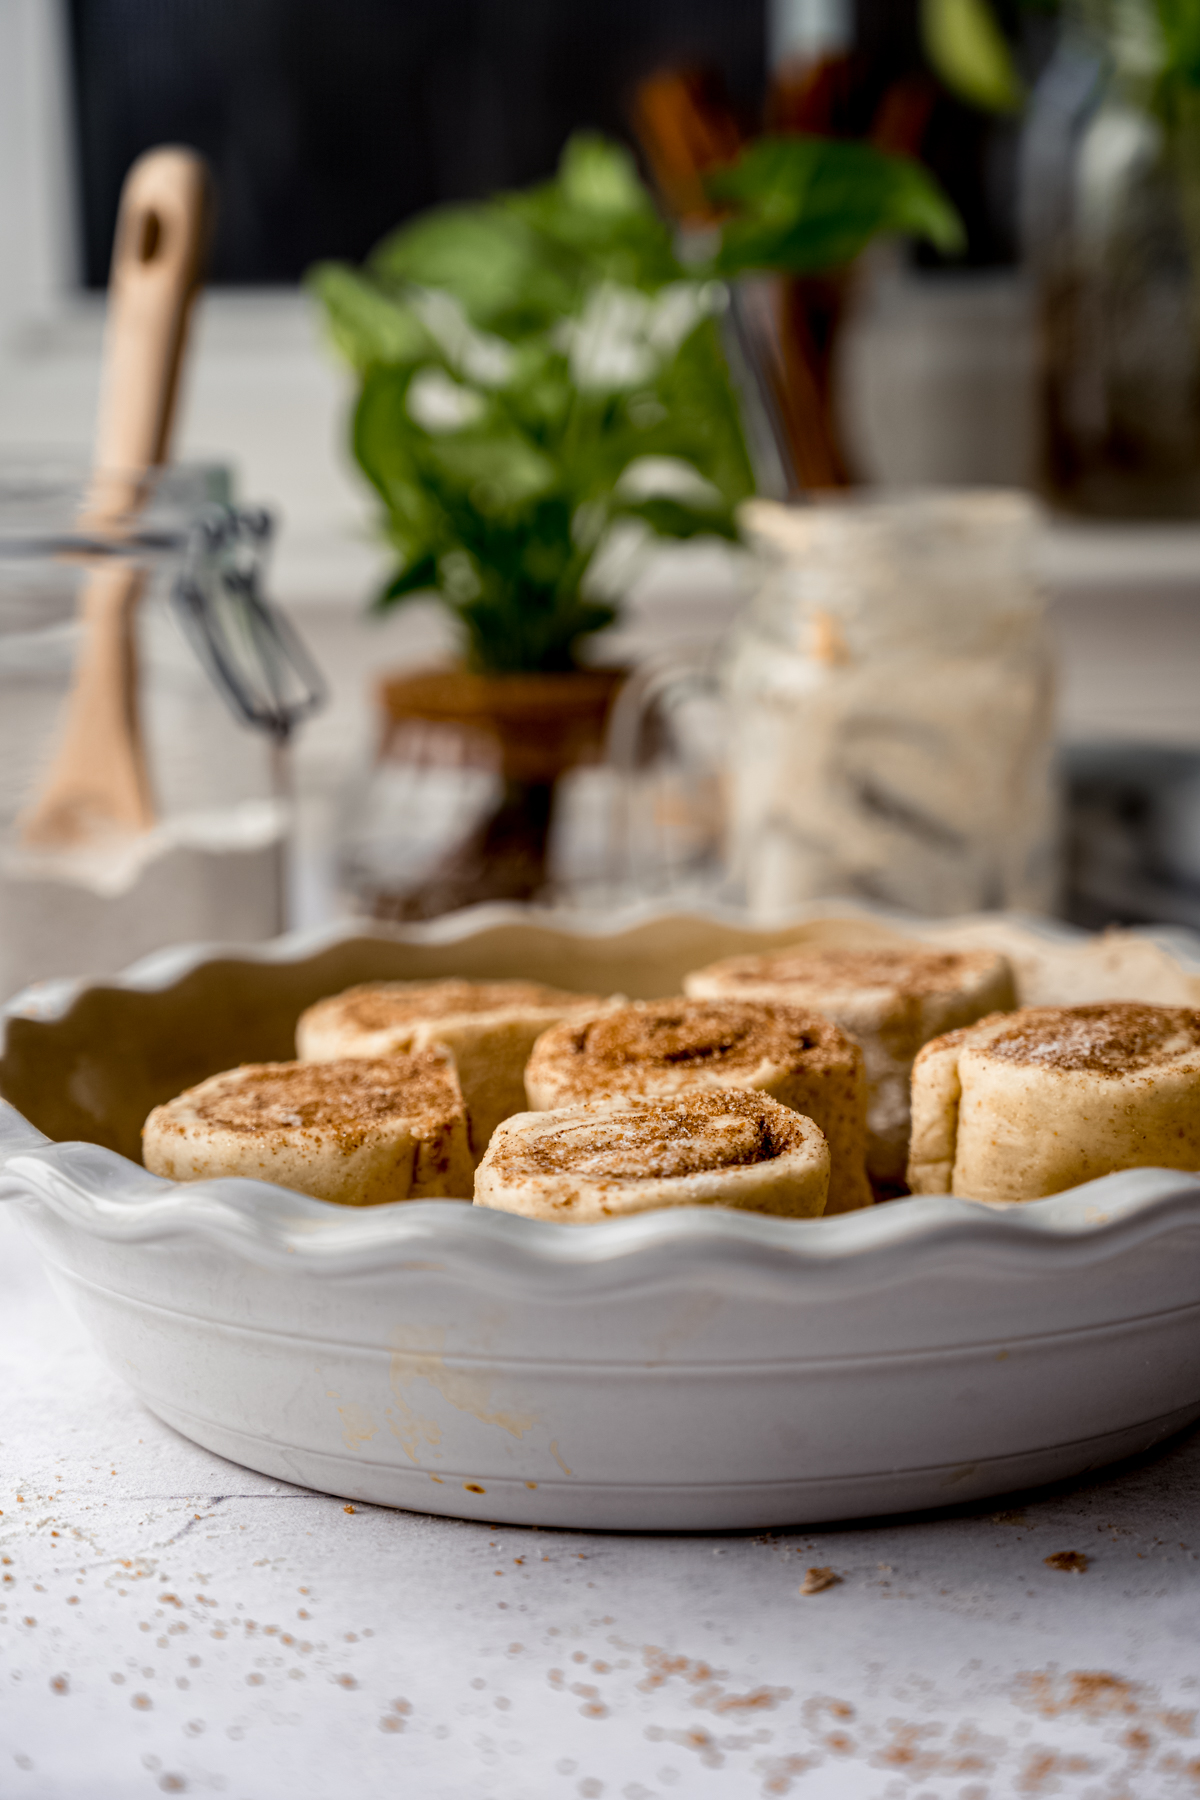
{"points": [[969, 51], [600, 177], [807, 203], [487, 257], [367, 324], [675, 519], [1179, 23], [419, 577], [498, 472]]}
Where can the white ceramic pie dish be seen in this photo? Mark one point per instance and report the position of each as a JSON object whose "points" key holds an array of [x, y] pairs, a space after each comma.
{"points": [[678, 1371]]}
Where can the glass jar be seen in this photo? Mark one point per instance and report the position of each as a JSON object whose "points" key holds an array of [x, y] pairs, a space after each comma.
{"points": [[1110, 204], [84, 890], [889, 709]]}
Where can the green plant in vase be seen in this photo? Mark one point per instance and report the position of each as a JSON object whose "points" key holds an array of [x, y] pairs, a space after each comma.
{"points": [[543, 387]]}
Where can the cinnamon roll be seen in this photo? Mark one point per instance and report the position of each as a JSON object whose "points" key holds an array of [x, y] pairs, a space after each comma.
{"points": [[608, 1159], [890, 999], [654, 1048], [1029, 1103], [358, 1132], [489, 1027]]}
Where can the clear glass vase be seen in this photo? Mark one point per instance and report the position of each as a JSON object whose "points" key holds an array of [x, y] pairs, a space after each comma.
{"points": [[1110, 186], [480, 792]]}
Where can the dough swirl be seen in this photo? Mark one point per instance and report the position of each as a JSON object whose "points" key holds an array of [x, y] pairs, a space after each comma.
{"points": [[357, 1132], [653, 1048], [608, 1159]]}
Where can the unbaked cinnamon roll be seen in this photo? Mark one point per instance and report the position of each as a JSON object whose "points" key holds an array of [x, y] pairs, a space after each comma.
{"points": [[890, 1000], [489, 1027], [608, 1159], [1032, 1102], [653, 1048], [357, 1132]]}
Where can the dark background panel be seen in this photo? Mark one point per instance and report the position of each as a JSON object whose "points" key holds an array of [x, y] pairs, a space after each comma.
{"points": [[328, 121]]}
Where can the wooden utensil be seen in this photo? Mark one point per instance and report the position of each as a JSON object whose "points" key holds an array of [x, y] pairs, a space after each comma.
{"points": [[98, 782]]}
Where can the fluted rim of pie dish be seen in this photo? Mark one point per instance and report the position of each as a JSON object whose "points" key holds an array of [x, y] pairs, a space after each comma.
{"points": [[109, 1197]]}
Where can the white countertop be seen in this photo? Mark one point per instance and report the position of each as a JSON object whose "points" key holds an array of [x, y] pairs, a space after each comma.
{"points": [[172, 1623]]}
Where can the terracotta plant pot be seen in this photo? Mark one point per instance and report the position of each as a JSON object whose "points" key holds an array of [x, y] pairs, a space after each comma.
{"points": [[532, 729]]}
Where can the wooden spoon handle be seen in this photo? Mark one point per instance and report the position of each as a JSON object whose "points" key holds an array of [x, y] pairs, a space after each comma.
{"points": [[99, 784], [157, 267], [98, 780]]}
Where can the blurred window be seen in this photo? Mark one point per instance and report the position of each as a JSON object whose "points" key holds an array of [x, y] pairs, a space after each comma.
{"points": [[328, 121]]}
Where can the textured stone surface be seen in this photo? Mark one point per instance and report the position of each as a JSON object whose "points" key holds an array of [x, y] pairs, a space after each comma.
{"points": [[172, 1623]]}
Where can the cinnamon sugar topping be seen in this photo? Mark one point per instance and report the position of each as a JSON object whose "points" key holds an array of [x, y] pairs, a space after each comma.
{"points": [[720, 1037], [907, 970], [1117, 1037], [654, 1140], [381, 1005], [346, 1098]]}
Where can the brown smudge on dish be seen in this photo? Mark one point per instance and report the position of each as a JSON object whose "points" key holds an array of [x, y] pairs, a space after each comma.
{"points": [[1071, 1562]]}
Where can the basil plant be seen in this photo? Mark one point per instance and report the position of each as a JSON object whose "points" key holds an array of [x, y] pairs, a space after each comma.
{"points": [[542, 378]]}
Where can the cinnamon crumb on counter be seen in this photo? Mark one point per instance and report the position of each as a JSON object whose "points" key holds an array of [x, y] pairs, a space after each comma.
{"points": [[817, 1580]]}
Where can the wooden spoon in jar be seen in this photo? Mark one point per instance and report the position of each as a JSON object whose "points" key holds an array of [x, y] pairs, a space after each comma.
{"points": [[98, 782]]}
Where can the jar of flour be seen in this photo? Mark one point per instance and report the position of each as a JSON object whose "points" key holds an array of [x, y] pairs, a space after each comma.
{"points": [[889, 704]]}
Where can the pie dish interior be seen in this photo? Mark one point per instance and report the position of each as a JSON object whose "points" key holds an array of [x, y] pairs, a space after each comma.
{"points": [[88, 1061]]}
